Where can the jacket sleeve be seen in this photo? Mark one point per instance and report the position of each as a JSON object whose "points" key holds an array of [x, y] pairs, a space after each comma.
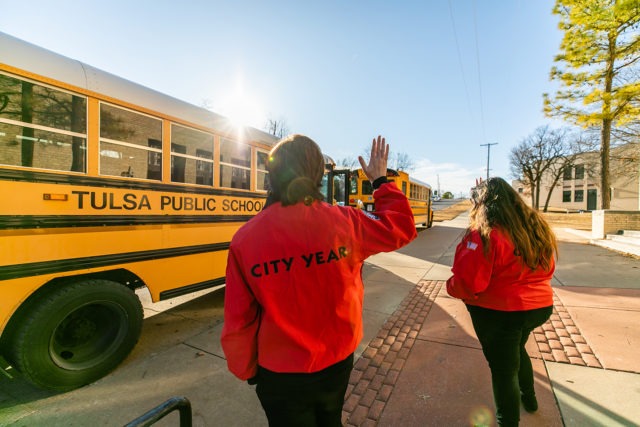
{"points": [[390, 227], [241, 321], [471, 268]]}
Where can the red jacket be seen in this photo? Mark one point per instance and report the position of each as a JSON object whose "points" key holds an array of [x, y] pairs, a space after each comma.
{"points": [[500, 280], [293, 299]]}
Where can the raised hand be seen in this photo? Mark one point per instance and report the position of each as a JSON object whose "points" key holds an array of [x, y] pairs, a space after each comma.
{"points": [[377, 166]]}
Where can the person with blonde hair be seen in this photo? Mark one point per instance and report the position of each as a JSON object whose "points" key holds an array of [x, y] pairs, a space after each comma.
{"points": [[502, 270], [294, 291]]}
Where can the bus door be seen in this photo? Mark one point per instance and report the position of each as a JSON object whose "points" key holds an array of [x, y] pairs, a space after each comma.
{"points": [[341, 187], [334, 186]]}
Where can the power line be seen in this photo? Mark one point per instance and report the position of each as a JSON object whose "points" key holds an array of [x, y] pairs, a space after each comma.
{"points": [[455, 37], [475, 27]]}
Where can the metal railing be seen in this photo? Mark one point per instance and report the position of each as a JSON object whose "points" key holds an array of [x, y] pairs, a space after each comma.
{"points": [[178, 403]]}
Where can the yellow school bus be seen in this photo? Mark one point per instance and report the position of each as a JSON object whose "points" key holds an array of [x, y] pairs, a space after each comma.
{"points": [[106, 187], [418, 193]]}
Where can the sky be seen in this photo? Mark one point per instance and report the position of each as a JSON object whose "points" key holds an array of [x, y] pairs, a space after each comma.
{"points": [[439, 79]]}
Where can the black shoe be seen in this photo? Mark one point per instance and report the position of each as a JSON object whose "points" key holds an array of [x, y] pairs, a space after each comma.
{"points": [[529, 402]]}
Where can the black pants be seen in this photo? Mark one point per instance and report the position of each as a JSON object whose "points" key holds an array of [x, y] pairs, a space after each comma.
{"points": [[503, 335], [305, 400]]}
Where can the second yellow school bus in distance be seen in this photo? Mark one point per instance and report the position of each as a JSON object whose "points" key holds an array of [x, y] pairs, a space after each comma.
{"points": [[418, 193], [107, 186]]}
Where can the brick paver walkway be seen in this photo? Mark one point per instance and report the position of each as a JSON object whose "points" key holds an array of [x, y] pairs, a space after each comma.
{"points": [[559, 340], [376, 371]]}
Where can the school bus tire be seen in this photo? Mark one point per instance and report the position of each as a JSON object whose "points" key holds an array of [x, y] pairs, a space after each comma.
{"points": [[76, 334]]}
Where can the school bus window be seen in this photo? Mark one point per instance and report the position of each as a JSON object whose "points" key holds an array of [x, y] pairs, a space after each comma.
{"points": [[204, 168], [415, 191], [235, 165], [353, 184], [404, 187], [339, 188], [154, 159], [41, 127], [37, 148], [178, 163], [367, 189], [136, 138], [263, 180], [191, 156]]}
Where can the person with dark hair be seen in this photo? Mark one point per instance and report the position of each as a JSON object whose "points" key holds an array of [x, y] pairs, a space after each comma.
{"points": [[502, 270], [294, 290]]}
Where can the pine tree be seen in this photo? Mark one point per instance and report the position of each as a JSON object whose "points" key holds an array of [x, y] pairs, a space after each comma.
{"points": [[598, 69]]}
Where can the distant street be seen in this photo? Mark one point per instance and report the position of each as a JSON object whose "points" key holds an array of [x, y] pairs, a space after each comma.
{"points": [[444, 203]]}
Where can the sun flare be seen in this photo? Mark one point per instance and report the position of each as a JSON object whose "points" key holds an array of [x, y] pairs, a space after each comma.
{"points": [[241, 108]]}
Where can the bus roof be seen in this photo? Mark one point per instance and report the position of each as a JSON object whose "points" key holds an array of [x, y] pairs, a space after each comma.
{"points": [[28, 57], [417, 181], [394, 173]]}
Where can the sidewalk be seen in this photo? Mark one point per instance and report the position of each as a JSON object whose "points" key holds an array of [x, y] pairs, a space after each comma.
{"points": [[426, 368]]}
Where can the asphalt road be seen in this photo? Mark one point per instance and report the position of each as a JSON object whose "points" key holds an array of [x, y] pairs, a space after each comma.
{"points": [[444, 203]]}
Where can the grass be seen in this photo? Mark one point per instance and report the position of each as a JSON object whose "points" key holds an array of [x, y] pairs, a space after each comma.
{"points": [[579, 221], [452, 211]]}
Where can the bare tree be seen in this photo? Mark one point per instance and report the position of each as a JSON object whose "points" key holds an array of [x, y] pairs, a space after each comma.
{"points": [[564, 160], [546, 152], [625, 162], [402, 161], [397, 161], [277, 127], [522, 167], [348, 162]]}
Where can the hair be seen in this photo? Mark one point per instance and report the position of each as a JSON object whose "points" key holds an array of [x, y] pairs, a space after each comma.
{"points": [[496, 203], [296, 167]]}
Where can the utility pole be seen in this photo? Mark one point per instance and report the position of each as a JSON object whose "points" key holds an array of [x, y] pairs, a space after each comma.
{"points": [[488, 155]]}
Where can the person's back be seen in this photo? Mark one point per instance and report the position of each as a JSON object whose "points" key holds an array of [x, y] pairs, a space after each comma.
{"points": [[293, 302], [303, 264], [502, 270]]}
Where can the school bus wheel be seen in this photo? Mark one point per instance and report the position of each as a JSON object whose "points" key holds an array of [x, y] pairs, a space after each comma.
{"points": [[429, 222], [76, 333]]}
